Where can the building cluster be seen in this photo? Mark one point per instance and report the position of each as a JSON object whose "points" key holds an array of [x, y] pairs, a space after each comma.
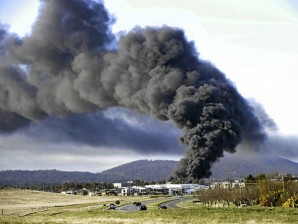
{"points": [[85, 192], [159, 189], [127, 189], [227, 184]]}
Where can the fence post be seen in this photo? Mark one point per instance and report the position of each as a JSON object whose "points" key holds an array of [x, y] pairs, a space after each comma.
{"points": [[2, 211]]}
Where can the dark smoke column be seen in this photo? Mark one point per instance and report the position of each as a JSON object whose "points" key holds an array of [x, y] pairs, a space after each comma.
{"points": [[155, 71], [161, 74]]}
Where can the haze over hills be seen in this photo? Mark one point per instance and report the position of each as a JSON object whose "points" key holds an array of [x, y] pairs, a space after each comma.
{"points": [[229, 167], [237, 167]]}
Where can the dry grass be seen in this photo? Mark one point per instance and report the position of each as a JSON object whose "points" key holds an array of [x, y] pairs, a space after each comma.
{"points": [[20, 202], [15, 198], [87, 210]]}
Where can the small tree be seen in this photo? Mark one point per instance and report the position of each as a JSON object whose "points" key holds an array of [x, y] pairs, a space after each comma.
{"points": [[250, 179], [270, 193]]}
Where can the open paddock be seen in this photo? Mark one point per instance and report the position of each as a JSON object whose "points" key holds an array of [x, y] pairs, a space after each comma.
{"points": [[87, 210]]}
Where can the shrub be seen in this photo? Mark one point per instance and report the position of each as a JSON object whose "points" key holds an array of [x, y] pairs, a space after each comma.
{"points": [[292, 202]]}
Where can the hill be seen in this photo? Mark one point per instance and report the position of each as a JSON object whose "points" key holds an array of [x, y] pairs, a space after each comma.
{"points": [[26, 178], [147, 170], [142, 169], [233, 167], [229, 167]]}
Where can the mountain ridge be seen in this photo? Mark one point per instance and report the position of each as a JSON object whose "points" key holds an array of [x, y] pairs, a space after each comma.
{"points": [[229, 167]]}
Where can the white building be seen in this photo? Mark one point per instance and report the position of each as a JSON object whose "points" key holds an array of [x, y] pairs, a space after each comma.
{"points": [[228, 184], [123, 184], [135, 190], [174, 189], [126, 191], [165, 189]]}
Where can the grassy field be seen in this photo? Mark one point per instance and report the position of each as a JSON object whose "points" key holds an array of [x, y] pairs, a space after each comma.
{"points": [[58, 208]]}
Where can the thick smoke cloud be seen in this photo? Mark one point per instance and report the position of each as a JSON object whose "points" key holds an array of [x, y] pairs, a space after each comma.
{"points": [[111, 128], [266, 121], [65, 67], [282, 146]]}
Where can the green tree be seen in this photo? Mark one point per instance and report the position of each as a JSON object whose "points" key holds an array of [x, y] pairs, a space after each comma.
{"points": [[250, 179], [261, 176]]}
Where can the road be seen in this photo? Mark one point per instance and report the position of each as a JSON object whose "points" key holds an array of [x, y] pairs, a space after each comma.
{"points": [[127, 208], [132, 207], [172, 203]]}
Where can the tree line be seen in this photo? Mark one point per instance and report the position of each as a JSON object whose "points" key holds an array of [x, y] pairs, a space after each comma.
{"points": [[67, 186], [270, 191], [91, 186]]}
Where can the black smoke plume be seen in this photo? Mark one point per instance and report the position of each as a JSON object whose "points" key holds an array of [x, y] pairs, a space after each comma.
{"points": [[67, 66], [116, 128]]}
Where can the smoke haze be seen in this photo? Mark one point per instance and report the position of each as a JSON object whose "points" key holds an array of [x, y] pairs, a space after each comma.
{"points": [[71, 68]]}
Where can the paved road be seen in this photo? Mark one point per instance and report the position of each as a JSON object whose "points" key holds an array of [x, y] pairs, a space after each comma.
{"points": [[127, 208], [132, 207], [172, 203]]}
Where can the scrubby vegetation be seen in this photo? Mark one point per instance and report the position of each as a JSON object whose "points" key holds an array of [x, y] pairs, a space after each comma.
{"points": [[267, 191]]}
